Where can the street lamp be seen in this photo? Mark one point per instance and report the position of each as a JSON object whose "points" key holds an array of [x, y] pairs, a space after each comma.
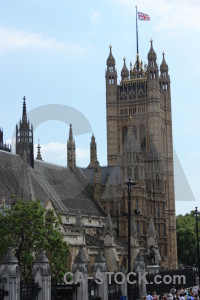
{"points": [[130, 183], [197, 213]]}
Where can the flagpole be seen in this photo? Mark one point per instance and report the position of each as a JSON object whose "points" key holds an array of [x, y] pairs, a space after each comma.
{"points": [[137, 38], [137, 30]]}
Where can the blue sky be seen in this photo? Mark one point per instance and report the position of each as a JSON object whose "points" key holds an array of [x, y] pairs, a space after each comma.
{"points": [[55, 52]]}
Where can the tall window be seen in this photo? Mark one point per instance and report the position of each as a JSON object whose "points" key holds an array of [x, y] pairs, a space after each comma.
{"points": [[129, 172], [138, 226], [124, 133], [142, 137], [110, 68], [135, 132], [136, 173]]}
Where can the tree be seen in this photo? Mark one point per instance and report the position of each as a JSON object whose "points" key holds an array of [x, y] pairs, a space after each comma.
{"points": [[27, 228], [186, 239]]}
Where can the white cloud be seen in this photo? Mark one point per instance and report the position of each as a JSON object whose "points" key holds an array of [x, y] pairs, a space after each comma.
{"points": [[57, 152], [13, 39], [94, 16], [176, 17]]}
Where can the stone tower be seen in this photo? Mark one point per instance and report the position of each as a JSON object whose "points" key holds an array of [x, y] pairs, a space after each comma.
{"points": [[24, 137], [139, 122], [71, 149], [93, 153], [39, 156]]}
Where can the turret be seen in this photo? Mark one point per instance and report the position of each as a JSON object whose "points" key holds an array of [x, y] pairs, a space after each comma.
{"points": [[24, 137], [39, 156], [93, 153], [152, 68], [111, 109], [164, 76], [111, 74], [71, 149], [124, 71]]}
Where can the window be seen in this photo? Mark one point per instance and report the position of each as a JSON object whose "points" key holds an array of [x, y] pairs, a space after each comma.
{"points": [[151, 75], [109, 81], [113, 80], [124, 133], [154, 75], [159, 230], [158, 211], [157, 181], [136, 173], [142, 137], [135, 132], [136, 203], [138, 226], [110, 68], [129, 172]]}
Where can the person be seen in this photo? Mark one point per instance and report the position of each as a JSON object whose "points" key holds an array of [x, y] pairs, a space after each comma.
{"points": [[154, 296], [195, 291], [148, 297], [190, 297]]}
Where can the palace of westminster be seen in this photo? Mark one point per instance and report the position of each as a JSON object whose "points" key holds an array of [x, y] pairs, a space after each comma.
{"points": [[93, 202]]}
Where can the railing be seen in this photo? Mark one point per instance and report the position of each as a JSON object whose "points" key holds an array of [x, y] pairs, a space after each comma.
{"points": [[29, 290], [61, 290]]}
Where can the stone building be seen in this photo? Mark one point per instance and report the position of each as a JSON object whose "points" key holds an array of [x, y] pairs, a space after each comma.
{"points": [[92, 202]]}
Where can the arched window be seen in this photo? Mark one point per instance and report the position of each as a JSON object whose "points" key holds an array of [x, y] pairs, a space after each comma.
{"points": [[124, 133], [135, 132], [158, 211], [142, 137], [129, 172], [157, 181], [136, 173]]}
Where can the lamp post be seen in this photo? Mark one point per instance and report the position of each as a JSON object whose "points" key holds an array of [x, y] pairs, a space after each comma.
{"points": [[197, 213], [129, 184]]}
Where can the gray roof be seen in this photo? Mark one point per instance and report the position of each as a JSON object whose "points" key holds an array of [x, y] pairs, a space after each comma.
{"points": [[109, 174], [46, 182]]}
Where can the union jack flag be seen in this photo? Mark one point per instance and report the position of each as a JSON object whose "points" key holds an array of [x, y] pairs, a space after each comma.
{"points": [[143, 17]]}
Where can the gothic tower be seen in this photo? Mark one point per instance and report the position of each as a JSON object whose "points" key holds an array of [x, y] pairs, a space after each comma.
{"points": [[39, 156], [143, 95], [24, 137], [71, 149], [93, 153]]}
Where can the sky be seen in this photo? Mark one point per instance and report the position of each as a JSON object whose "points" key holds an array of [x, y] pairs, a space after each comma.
{"points": [[54, 53]]}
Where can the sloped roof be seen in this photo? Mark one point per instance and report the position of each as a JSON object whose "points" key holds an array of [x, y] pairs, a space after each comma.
{"points": [[46, 182]]}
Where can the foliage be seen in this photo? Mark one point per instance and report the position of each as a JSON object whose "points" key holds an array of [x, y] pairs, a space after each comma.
{"points": [[27, 228], [186, 239]]}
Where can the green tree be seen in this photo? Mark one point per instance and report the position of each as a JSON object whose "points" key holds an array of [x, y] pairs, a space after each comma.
{"points": [[27, 228], [186, 239]]}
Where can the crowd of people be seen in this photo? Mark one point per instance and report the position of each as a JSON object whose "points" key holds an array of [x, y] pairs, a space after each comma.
{"points": [[182, 294]]}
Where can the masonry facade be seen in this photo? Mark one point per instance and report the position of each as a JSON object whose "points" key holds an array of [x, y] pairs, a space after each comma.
{"points": [[92, 202]]}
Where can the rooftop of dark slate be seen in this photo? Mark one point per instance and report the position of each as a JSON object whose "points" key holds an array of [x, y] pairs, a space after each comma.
{"points": [[46, 182], [111, 175]]}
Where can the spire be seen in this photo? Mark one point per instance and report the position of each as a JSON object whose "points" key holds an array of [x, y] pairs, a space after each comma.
{"points": [[108, 227], [151, 230], [152, 53], [134, 231], [80, 258], [100, 258], [164, 65], [93, 153], [71, 149], [70, 133], [110, 57], [124, 71], [24, 113], [39, 156], [24, 137]]}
